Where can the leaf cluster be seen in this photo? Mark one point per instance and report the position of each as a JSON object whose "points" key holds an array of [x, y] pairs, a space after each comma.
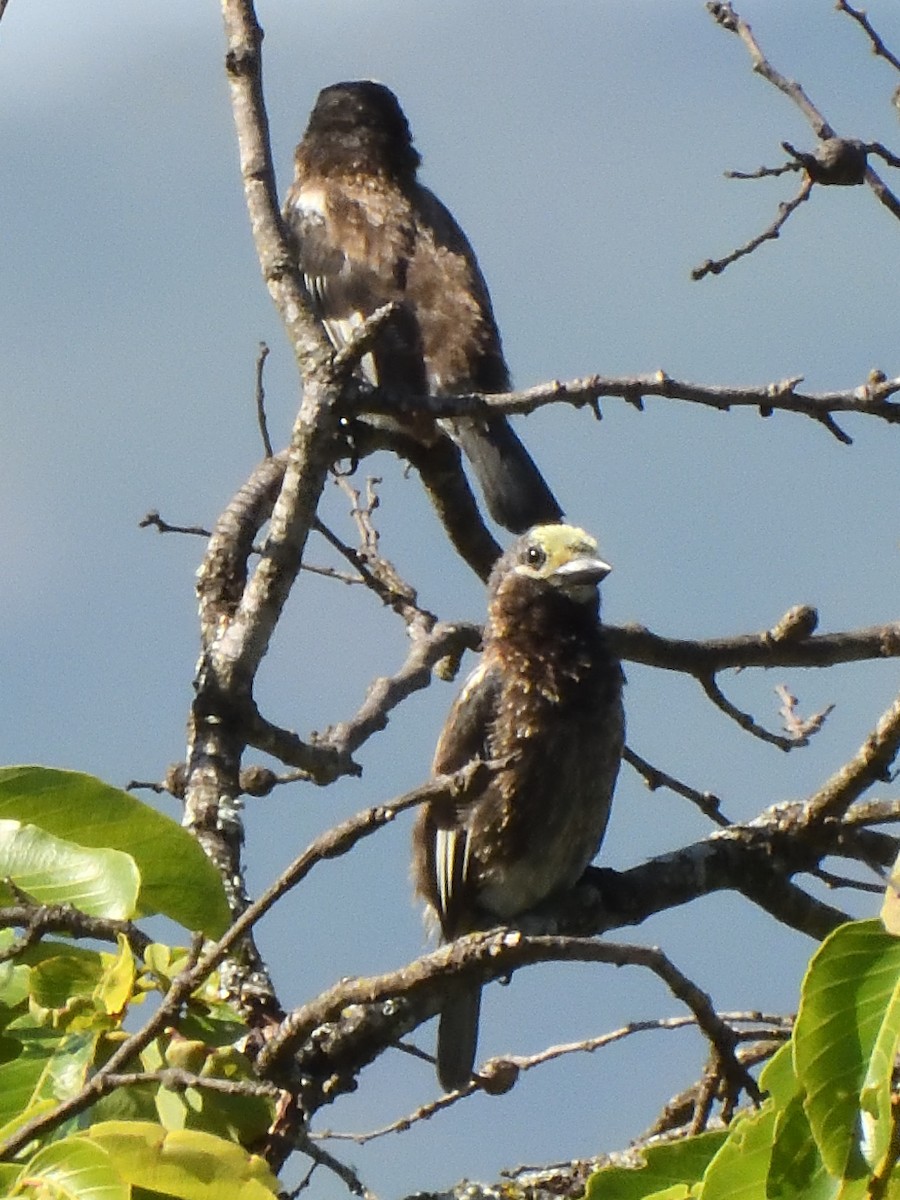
{"points": [[829, 1125], [85, 860]]}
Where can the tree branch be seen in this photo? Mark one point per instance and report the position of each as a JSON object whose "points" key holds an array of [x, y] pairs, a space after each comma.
{"points": [[831, 163], [871, 398]]}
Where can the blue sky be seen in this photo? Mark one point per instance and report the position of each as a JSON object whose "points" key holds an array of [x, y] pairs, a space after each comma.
{"points": [[582, 147]]}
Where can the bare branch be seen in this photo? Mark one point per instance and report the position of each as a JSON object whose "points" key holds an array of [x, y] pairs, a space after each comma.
{"points": [[746, 722], [261, 399], [872, 398], [798, 727], [379, 574], [862, 19], [706, 658], [724, 14], [177, 1080], [39, 919], [321, 1157], [786, 209], [871, 764], [445, 640], [526, 1062], [828, 165], [709, 804], [155, 521], [348, 1022]]}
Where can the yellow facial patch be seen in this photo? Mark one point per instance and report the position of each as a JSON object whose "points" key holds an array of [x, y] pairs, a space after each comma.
{"points": [[548, 547]]}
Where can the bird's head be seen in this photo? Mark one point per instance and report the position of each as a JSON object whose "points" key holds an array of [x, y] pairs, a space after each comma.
{"points": [[363, 119], [561, 558]]}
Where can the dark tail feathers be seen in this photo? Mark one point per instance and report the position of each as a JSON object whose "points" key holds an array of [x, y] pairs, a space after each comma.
{"points": [[457, 1038], [515, 492]]}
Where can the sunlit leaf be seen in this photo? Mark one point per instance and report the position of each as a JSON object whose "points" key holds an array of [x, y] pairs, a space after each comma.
{"points": [[38, 1109], [796, 1170], [668, 1171], [57, 980], [184, 1163], [740, 1169], [49, 1065], [845, 1039], [71, 1169], [103, 883], [890, 908], [117, 982], [93, 814]]}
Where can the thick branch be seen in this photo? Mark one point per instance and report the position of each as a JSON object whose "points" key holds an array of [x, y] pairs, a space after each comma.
{"points": [[38, 919], [871, 764], [705, 658], [237, 618], [347, 1026]]}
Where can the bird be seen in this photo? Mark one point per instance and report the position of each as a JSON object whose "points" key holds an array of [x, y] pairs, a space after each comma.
{"points": [[366, 233], [543, 708]]}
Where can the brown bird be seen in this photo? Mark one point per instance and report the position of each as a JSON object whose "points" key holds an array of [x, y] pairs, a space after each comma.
{"points": [[544, 705], [367, 233]]}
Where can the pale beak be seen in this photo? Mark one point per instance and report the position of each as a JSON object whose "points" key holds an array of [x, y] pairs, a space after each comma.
{"points": [[580, 572]]}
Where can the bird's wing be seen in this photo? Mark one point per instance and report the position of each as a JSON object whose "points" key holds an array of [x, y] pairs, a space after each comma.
{"points": [[445, 283], [465, 733], [353, 252], [464, 739]]}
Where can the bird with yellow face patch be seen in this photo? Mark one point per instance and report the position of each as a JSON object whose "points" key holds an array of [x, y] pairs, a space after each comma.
{"points": [[544, 705]]}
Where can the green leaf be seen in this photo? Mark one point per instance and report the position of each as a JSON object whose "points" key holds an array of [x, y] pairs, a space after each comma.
{"points": [[777, 1078], [56, 981], [668, 1170], [22, 1118], [49, 1065], [845, 1038], [9, 1173], [135, 1103], [740, 1169], [890, 908], [71, 1169], [184, 1163], [93, 814], [15, 979], [796, 1169], [103, 883]]}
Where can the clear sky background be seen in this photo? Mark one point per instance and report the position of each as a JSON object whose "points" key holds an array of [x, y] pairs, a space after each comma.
{"points": [[582, 147]]}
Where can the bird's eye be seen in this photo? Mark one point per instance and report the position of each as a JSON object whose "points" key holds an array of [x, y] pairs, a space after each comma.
{"points": [[535, 556]]}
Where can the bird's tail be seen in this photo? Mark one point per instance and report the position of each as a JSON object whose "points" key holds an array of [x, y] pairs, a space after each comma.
{"points": [[457, 1038], [515, 492]]}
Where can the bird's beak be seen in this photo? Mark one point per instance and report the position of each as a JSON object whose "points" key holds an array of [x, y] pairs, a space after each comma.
{"points": [[581, 572]]}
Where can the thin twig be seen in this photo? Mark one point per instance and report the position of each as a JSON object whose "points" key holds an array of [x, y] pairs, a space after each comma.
{"points": [[847, 151], [345, 1173], [708, 803], [862, 19], [155, 521], [786, 209], [261, 357], [746, 722]]}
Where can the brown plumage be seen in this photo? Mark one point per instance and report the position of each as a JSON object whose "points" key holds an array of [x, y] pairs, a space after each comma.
{"points": [[366, 233], [545, 704]]}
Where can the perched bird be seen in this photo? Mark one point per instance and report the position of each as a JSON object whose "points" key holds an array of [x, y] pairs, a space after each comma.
{"points": [[367, 232], [545, 706]]}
